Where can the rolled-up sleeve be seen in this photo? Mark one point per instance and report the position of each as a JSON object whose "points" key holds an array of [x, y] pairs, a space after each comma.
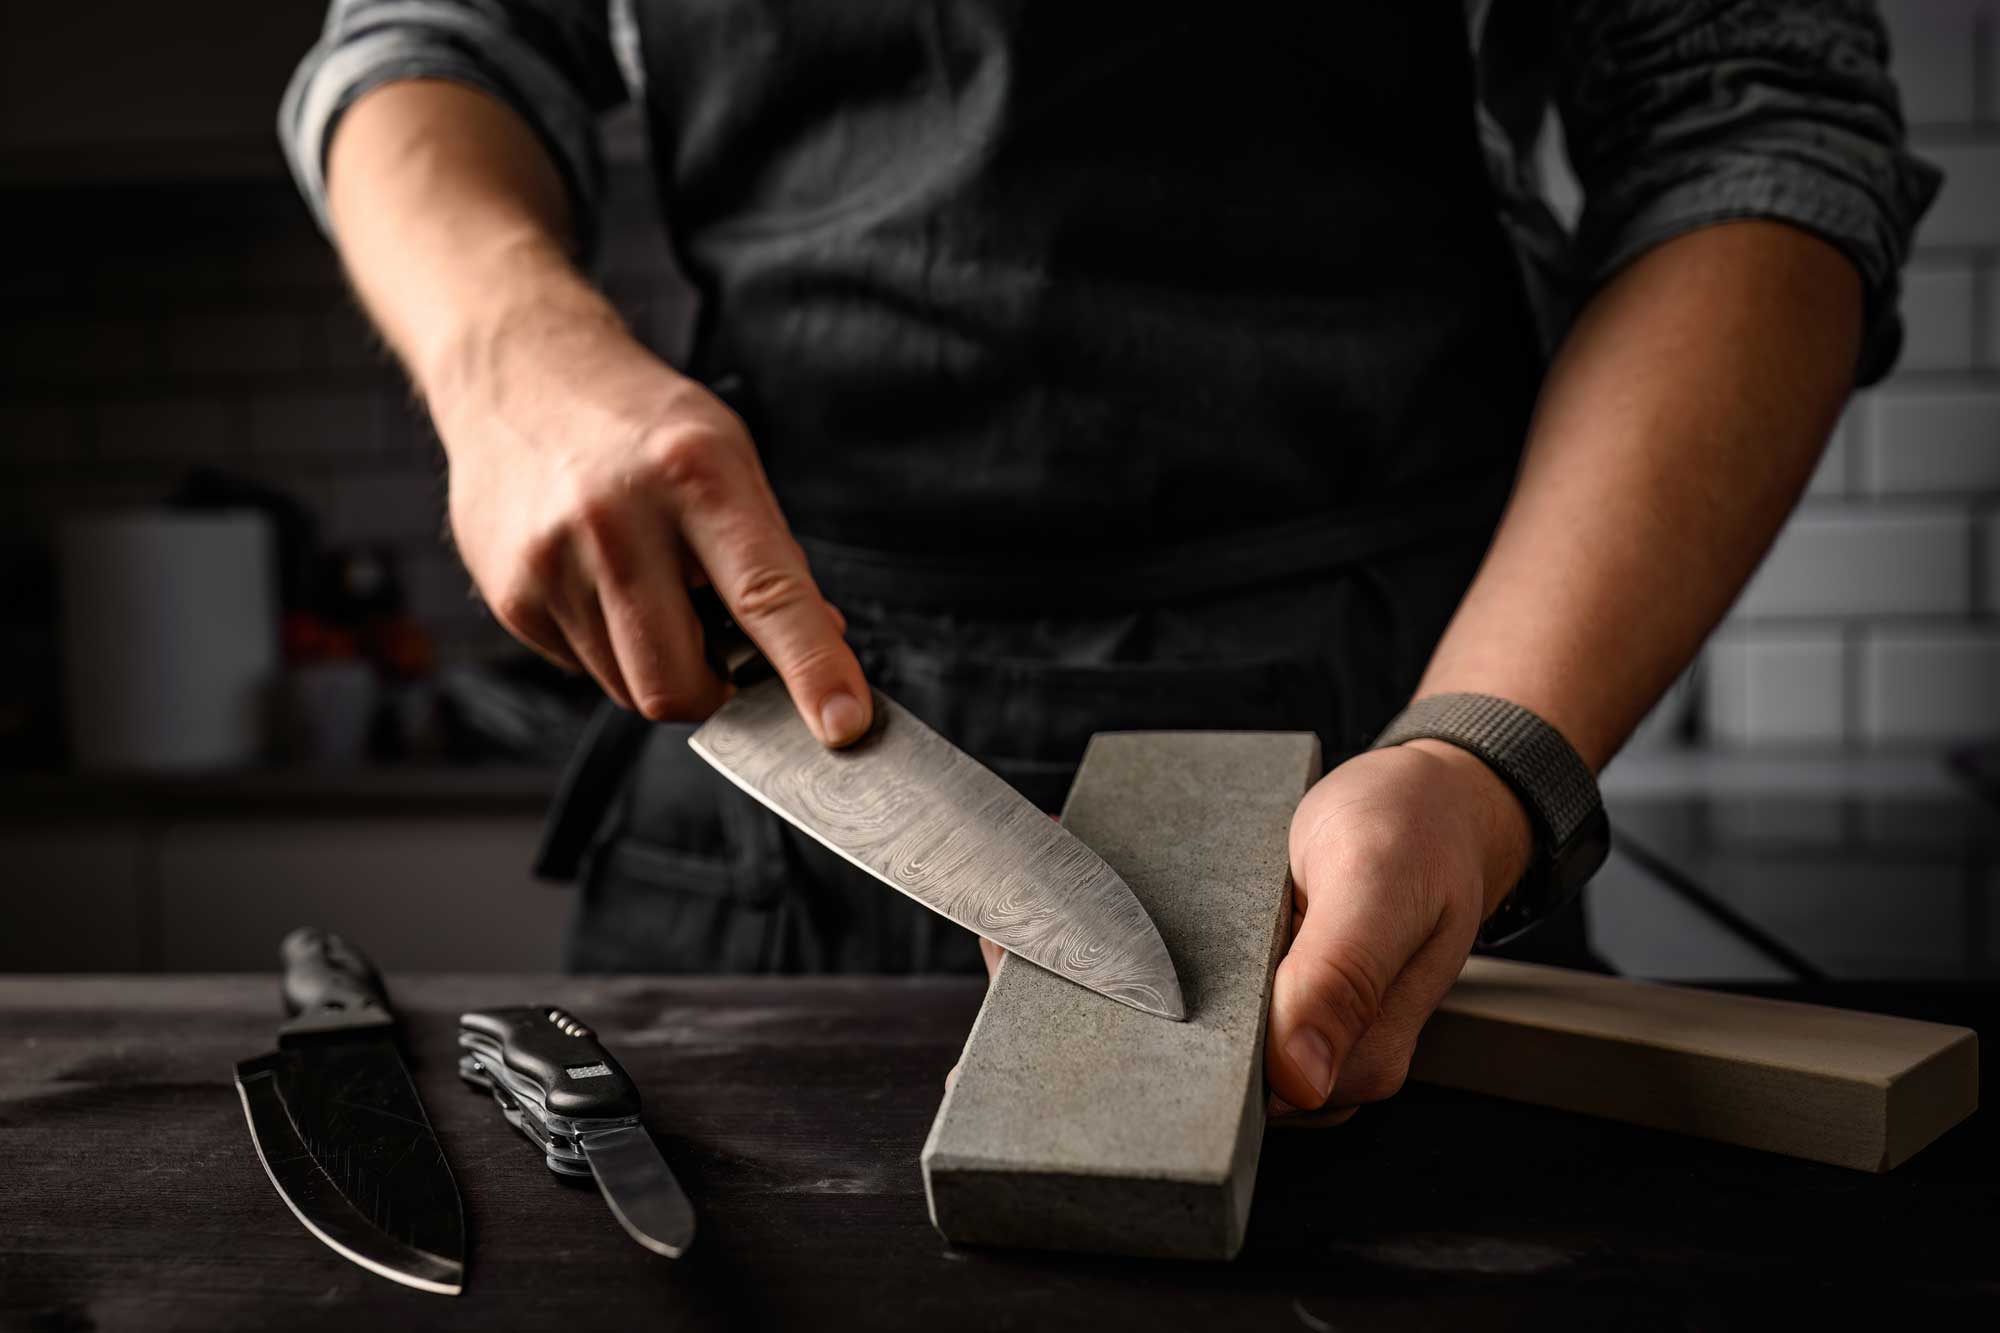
{"points": [[1682, 113], [550, 60]]}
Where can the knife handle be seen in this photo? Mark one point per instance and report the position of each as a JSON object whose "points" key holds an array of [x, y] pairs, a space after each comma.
{"points": [[724, 646], [578, 1078], [330, 986]]}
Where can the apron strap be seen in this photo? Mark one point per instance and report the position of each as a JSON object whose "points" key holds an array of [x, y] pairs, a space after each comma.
{"points": [[590, 782]]}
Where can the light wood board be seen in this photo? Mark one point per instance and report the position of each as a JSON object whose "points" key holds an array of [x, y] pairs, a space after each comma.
{"points": [[1832, 1085]]}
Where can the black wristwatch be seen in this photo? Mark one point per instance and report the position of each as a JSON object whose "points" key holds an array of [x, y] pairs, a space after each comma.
{"points": [[1572, 833]]}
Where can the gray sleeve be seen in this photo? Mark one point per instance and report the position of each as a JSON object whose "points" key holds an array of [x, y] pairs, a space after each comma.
{"points": [[1682, 113], [550, 60]]}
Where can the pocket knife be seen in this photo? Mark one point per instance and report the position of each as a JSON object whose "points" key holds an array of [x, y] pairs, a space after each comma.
{"points": [[556, 1084]]}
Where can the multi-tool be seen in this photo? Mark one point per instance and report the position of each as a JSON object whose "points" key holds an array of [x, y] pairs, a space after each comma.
{"points": [[557, 1084]]}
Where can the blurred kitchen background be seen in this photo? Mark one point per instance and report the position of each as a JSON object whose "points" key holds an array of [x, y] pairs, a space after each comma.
{"points": [[219, 492]]}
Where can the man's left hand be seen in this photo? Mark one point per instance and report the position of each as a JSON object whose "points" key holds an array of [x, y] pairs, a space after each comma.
{"points": [[1397, 856]]}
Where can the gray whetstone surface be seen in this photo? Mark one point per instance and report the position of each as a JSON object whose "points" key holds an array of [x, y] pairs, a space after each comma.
{"points": [[1081, 1124]]}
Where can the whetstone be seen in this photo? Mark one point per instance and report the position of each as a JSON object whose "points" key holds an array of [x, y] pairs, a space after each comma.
{"points": [[1832, 1085], [1079, 1123]]}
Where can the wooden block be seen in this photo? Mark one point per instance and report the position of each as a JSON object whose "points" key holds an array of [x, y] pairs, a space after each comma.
{"points": [[1832, 1085], [1078, 1123]]}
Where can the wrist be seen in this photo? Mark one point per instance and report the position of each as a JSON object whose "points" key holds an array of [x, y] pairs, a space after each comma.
{"points": [[538, 316], [1506, 834]]}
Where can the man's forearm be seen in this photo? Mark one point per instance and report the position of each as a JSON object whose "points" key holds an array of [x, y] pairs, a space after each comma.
{"points": [[452, 221], [1675, 431]]}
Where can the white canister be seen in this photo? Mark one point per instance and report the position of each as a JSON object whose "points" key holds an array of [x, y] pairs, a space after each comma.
{"points": [[170, 638]]}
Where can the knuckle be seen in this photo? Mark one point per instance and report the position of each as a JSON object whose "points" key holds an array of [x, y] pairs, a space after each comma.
{"points": [[518, 607], [817, 665], [594, 516], [769, 592], [690, 464], [616, 560], [541, 560], [663, 706]]}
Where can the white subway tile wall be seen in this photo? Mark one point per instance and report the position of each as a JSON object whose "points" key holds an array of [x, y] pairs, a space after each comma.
{"points": [[1933, 441], [1936, 685], [210, 325], [1938, 316], [221, 335], [1890, 570], [1854, 560], [1936, 58], [1967, 211], [1829, 479], [1988, 329], [1785, 687], [1989, 581]]}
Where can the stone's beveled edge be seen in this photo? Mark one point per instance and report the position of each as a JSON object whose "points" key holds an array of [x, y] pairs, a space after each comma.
{"points": [[973, 1164]]}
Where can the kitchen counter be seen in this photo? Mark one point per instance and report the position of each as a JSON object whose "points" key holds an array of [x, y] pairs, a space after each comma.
{"points": [[794, 1110], [413, 790]]}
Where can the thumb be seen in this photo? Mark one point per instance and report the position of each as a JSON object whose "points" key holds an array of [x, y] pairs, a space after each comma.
{"points": [[1323, 1001], [1345, 955]]}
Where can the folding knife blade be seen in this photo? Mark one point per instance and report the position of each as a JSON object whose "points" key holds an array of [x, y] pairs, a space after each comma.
{"points": [[642, 1192]]}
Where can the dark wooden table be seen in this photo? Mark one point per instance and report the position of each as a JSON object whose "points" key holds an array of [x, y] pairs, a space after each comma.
{"points": [[794, 1111]]}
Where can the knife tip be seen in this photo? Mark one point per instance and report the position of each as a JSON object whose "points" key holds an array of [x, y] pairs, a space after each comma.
{"points": [[1159, 1003]]}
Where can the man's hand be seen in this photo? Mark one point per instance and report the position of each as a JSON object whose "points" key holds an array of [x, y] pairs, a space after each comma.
{"points": [[591, 485], [1397, 856]]}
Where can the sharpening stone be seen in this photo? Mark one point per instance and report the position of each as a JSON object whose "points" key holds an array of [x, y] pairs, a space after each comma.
{"points": [[1833, 1085], [1078, 1123]]}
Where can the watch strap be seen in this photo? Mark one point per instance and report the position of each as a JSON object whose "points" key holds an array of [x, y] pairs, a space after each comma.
{"points": [[1544, 771], [1528, 753]]}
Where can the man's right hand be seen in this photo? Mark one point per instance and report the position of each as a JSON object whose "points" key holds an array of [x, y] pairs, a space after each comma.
{"points": [[591, 486]]}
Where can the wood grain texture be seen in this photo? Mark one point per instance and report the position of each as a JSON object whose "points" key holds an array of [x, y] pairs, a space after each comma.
{"points": [[1832, 1085], [794, 1109], [927, 819]]}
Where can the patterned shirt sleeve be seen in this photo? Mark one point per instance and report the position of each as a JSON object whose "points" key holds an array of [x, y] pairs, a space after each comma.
{"points": [[1681, 113], [552, 61]]}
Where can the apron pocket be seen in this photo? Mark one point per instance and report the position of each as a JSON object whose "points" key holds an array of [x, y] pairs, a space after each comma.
{"points": [[688, 877]]}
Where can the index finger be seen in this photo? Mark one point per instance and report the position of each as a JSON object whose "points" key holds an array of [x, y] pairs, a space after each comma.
{"points": [[761, 575]]}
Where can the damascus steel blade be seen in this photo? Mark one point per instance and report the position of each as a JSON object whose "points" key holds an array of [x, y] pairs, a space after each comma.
{"points": [[344, 1139], [925, 818]]}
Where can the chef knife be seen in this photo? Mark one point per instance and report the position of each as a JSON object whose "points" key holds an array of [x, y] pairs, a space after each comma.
{"points": [[340, 1129], [558, 1085], [927, 819]]}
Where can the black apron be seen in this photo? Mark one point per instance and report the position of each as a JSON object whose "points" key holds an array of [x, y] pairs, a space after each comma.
{"points": [[1112, 378]]}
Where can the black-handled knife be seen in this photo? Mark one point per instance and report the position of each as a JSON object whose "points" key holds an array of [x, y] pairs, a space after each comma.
{"points": [[555, 1082], [340, 1128], [729, 652]]}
